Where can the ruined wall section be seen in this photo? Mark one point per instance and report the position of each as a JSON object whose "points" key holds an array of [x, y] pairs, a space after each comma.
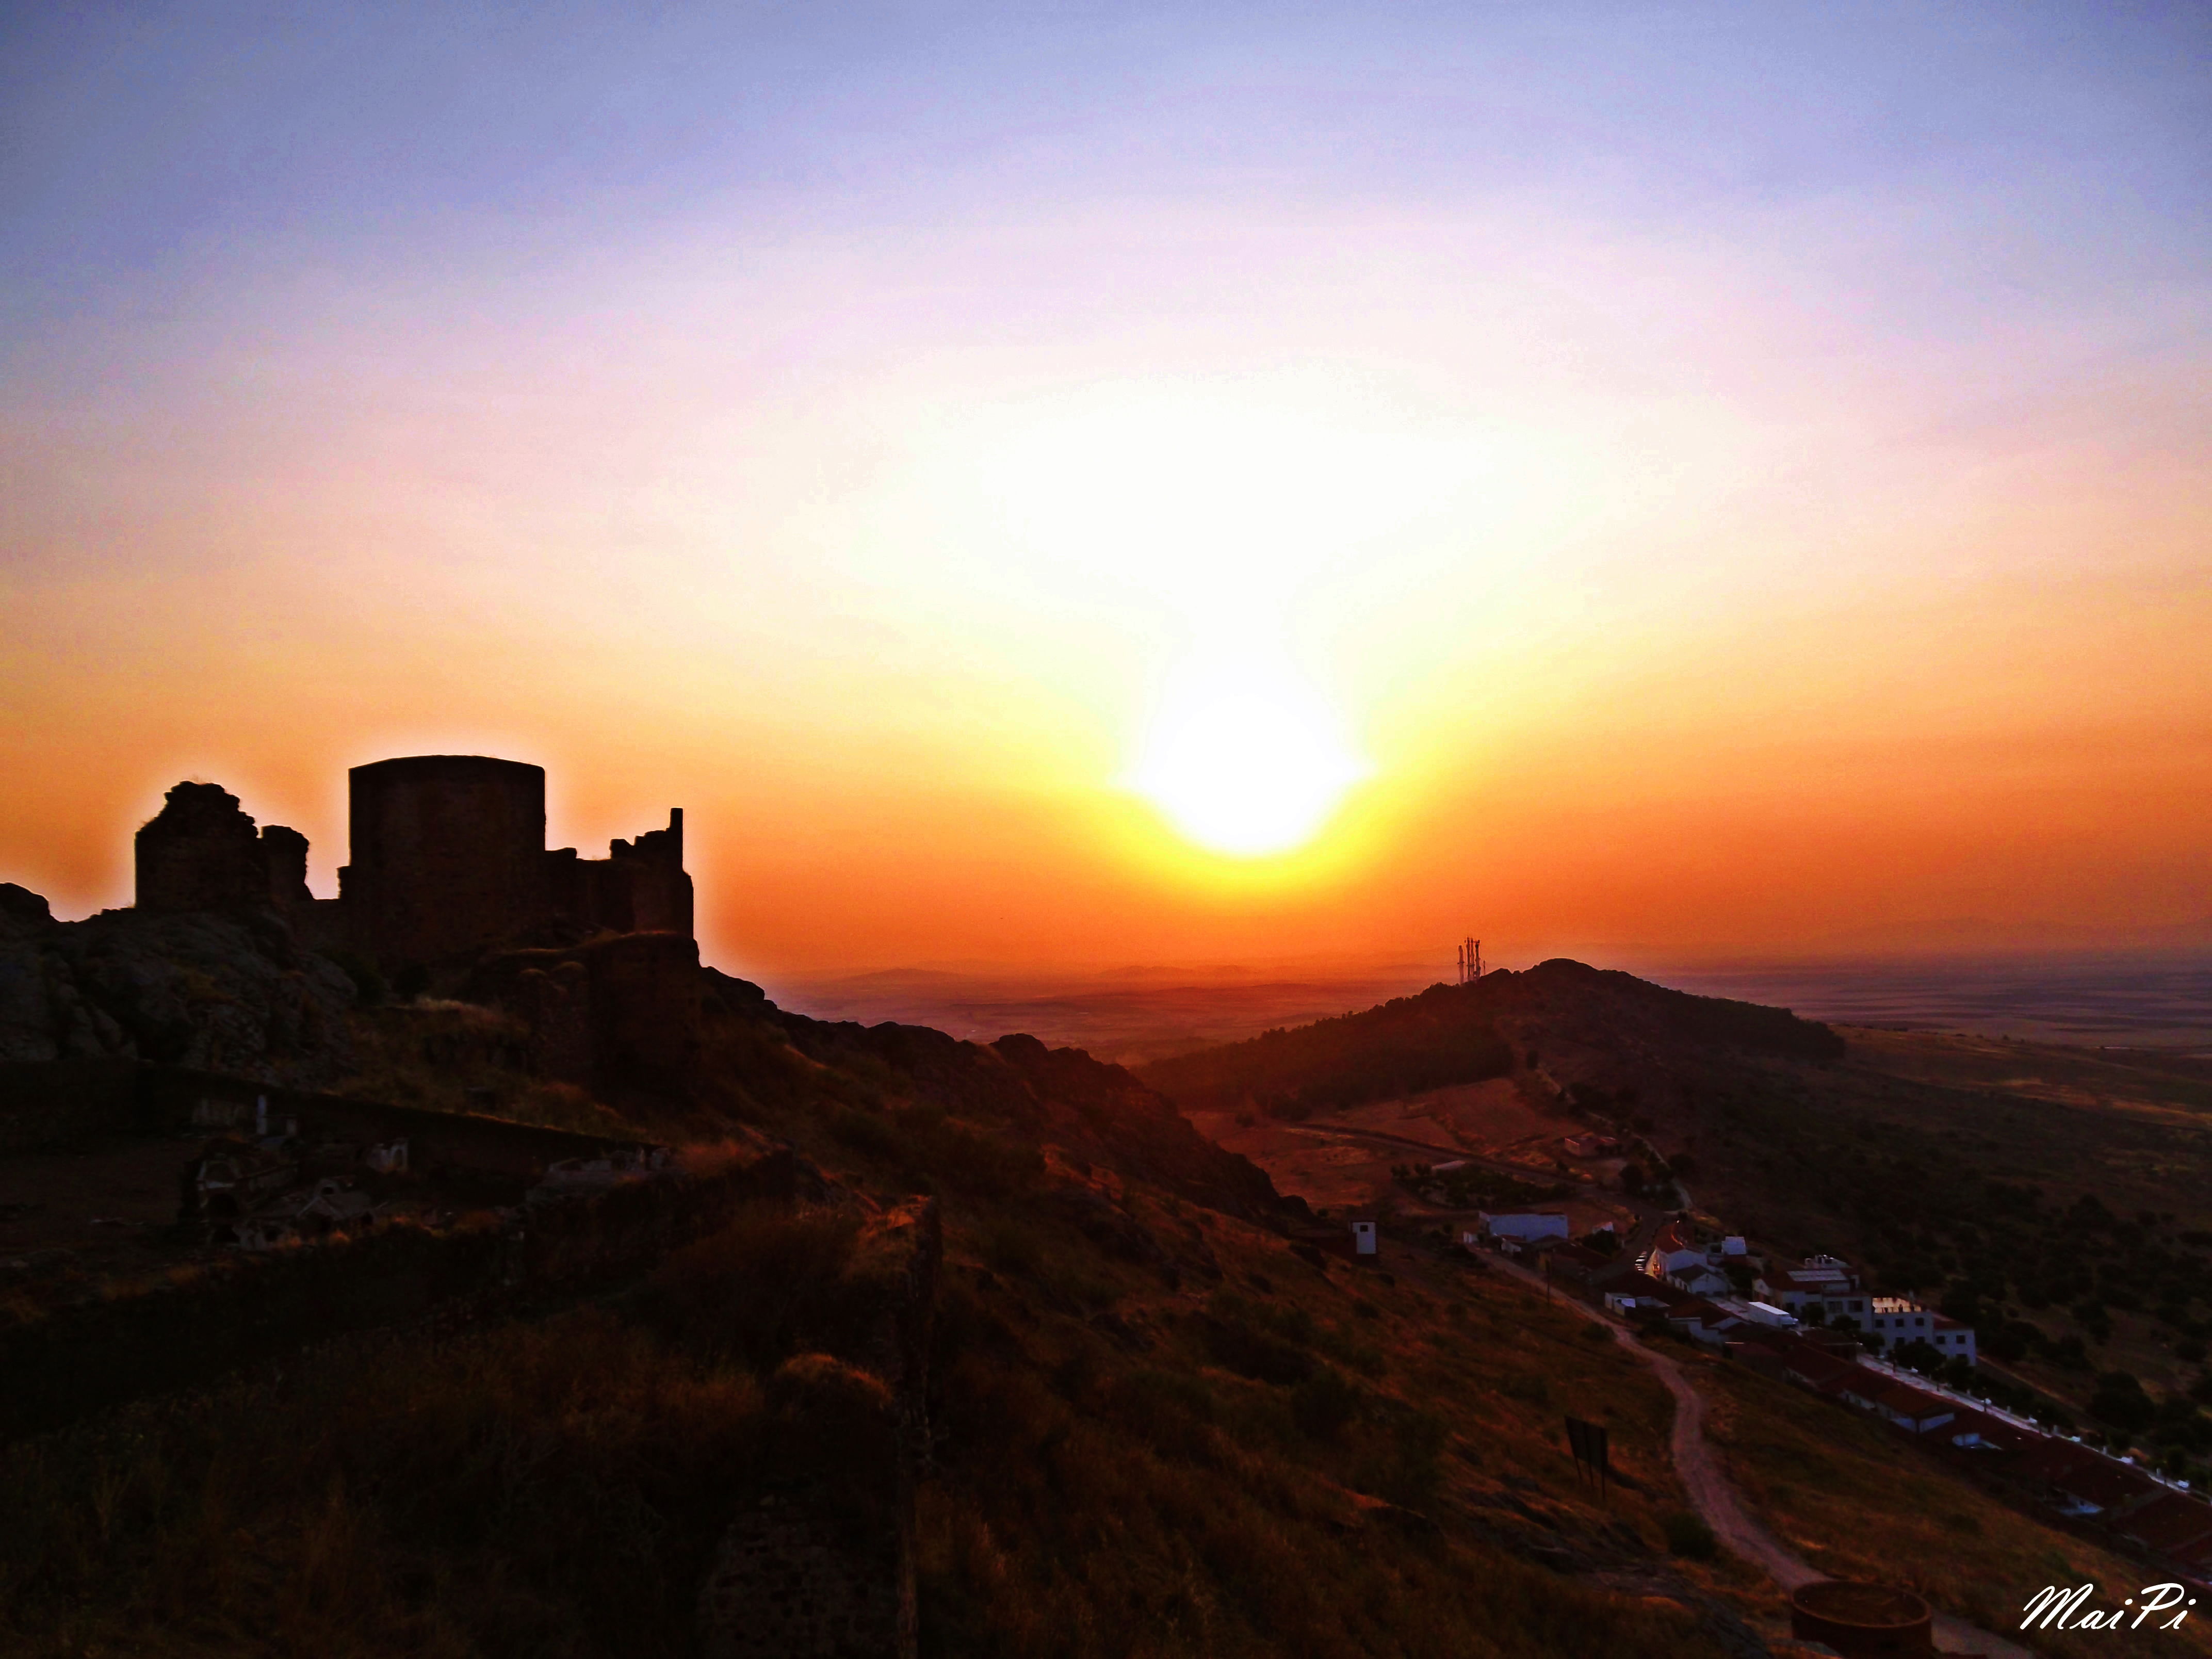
{"points": [[252, 1308], [622, 1013], [448, 860], [284, 856], [201, 851], [639, 887], [661, 892], [822, 1560], [448, 856]]}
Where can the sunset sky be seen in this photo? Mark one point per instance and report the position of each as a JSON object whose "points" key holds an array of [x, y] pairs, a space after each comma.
{"points": [[1125, 484]]}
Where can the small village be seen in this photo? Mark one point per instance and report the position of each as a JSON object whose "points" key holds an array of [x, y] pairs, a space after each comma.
{"points": [[1816, 1324]]}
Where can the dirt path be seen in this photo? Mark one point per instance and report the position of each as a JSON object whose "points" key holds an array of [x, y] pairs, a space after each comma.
{"points": [[1706, 1483], [1342, 1132]]}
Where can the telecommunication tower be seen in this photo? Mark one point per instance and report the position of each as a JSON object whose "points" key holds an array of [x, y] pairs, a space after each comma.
{"points": [[1470, 961]]}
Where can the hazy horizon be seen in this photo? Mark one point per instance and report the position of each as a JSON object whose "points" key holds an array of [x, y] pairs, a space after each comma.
{"points": [[2140, 999]]}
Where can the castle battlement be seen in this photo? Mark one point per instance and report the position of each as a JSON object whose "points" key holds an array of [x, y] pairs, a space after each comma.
{"points": [[448, 860]]}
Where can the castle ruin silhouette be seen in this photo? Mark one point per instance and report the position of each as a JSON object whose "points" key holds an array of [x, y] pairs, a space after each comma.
{"points": [[448, 860]]}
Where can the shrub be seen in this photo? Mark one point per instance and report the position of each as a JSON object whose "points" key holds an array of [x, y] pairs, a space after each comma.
{"points": [[753, 1289], [1236, 1345], [864, 1132], [1689, 1537], [1325, 1404], [2120, 1400], [537, 1489], [1415, 1470], [1009, 1246], [367, 984]]}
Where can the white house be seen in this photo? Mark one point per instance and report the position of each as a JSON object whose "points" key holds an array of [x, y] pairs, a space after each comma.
{"points": [[1898, 1320], [1823, 1282], [1363, 1238], [1527, 1226], [387, 1157], [1703, 1322], [1953, 1340], [1687, 1270], [1721, 1251]]}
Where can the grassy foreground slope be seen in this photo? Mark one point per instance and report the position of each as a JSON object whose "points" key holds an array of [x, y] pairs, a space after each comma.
{"points": [[1856, 1502], [1161, 1428]]}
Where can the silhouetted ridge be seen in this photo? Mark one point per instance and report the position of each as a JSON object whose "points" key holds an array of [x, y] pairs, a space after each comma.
{"points": [[1438, 1037], [1451, 1034], [1714, 1020]]}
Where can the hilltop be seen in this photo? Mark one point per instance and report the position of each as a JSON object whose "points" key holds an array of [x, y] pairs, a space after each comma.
{"points": [[2053, 1198], [1118, 1401]]}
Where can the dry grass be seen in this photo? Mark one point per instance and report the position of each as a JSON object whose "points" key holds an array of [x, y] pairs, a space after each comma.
{"points": [[538, 1490], [458, 1057], [1103, 1488], [1855, 1501], [1293, 1464]]}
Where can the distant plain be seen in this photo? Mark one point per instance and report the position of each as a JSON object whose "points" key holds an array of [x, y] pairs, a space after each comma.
{"points": [[1133, 1016]]}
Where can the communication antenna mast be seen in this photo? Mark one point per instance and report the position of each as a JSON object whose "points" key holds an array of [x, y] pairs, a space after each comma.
{"points": [[1470, 961]]}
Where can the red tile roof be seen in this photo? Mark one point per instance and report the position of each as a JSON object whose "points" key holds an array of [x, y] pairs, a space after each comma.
{"points": [[1899, 1399], [1581, 1257], [2171, 1523], [2085, 1476]]}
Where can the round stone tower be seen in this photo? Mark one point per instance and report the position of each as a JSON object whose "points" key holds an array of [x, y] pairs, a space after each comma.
{"points": [[448, 856]]}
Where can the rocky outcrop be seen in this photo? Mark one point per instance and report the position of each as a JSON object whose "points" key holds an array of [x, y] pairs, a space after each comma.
{"points": [[218, 992]]}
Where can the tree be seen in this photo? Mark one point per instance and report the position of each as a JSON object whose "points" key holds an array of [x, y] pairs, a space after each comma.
{"points": [[1922, 1357], [2120, 1400]]}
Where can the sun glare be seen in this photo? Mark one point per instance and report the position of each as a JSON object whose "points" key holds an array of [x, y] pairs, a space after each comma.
{"points": [[1246, 769]]}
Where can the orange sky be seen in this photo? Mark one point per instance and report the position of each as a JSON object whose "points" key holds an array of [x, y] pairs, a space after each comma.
{"points": [[1734, 526]]}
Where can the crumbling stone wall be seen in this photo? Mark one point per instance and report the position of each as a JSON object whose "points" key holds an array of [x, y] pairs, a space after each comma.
{"points": [[284, 851], [556, 1003], [821, 1563], [622, 1012], [660, 891], [252, 1308], [201, 851], [639, 887], [794, 1581], [448, 859]]}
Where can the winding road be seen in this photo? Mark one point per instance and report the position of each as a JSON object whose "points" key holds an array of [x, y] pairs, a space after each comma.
{"points": [[1715, 1500]]}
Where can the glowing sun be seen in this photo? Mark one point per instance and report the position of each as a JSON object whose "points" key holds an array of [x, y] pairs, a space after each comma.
{"points": [[1247, 768]]}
